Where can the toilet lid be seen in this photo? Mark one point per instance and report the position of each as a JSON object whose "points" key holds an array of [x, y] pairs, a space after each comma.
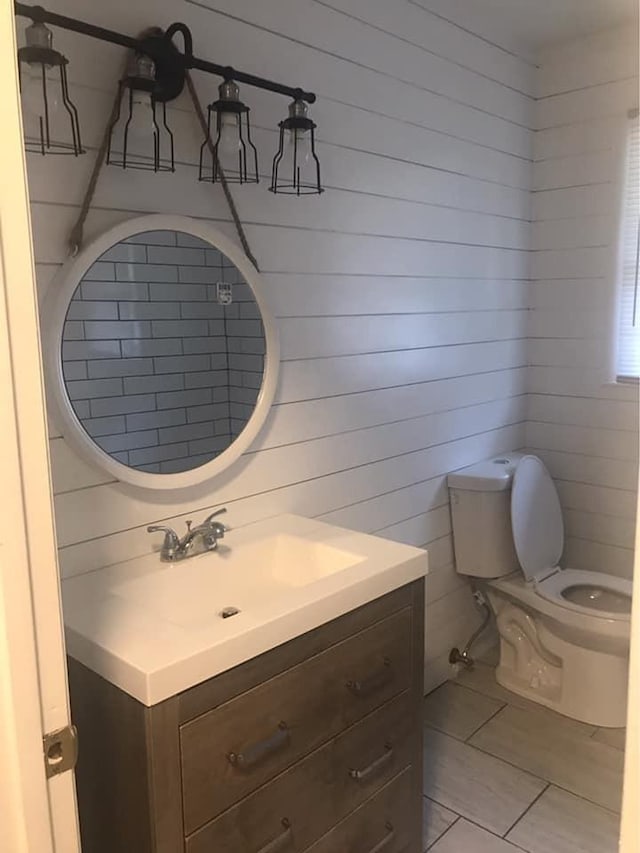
{"points": [[536, 518]]}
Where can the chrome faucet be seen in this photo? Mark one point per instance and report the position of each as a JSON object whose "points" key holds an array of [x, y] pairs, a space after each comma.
{"points": [[209, 533]]}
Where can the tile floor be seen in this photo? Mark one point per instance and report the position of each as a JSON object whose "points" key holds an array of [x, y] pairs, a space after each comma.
{"points": [[504, 775]]}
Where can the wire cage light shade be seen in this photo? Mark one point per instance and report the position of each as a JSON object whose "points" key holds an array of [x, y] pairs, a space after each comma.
{"points": [[232, 151], [139, 136], [50, 119], [296, 168]]}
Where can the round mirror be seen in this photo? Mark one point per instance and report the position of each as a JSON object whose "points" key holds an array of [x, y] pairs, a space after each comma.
{"points": [[162, 353]]}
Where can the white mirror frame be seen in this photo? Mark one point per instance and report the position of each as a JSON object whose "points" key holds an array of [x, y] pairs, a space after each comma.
{"points": [[56, 304]]}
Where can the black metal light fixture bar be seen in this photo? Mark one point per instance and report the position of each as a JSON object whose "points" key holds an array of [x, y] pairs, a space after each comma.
{"points": [[159, 48]]}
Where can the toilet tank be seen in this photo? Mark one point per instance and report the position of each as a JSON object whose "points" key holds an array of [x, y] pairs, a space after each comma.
{"points": [[480, 497]]}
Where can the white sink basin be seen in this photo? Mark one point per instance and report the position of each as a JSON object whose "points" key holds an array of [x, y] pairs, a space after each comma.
{"points": [[193, 592], [155, 629]]}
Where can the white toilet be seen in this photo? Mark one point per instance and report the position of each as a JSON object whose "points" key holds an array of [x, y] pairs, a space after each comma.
{"points": [[564, 634]]}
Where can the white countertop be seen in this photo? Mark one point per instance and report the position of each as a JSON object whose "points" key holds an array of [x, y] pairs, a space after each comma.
{"points": [[154, 629]]}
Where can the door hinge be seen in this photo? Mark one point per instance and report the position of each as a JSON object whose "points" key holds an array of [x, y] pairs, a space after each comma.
{"points": [[60, 750]]}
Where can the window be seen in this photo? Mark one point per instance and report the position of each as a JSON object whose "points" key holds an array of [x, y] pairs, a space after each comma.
{"points": [[628, 348]]}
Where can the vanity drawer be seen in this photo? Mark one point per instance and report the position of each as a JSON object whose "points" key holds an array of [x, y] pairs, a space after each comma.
{"points": [[295, 809], [231, 750], [383, 824]]}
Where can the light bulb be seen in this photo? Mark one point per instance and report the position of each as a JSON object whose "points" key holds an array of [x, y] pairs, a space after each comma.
{"points": [[31, 89], [300, 141], [229, 142], [141, 127]]}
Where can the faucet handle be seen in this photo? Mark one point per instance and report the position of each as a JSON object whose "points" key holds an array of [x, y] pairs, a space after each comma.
{"points": [[171, 541], [217, 512]]}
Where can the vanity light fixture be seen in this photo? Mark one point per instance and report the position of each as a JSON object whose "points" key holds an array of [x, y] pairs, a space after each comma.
{"points": [[232, 150], [296, 168], [139, 135], [50, 119]]}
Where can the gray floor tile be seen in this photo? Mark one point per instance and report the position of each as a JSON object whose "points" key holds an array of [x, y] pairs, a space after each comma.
{"points": [[612, 737], [482, 679], [465, 837], [475, 785], [563, 823], [556, 752], [435, 821], [458, 712]]}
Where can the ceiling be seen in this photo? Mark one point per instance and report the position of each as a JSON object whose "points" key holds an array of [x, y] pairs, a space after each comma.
{"points": [[533, 24]]}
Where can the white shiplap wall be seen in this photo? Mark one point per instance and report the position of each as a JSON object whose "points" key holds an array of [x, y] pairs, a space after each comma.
{"points": [[401, 293], [579, 422]]}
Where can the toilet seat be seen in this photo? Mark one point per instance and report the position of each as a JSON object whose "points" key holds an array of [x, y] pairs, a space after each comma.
{"points": [[555, 587], [538, 535]]}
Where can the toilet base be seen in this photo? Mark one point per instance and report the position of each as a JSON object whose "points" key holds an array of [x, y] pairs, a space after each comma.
{"points": [[540, 661]]}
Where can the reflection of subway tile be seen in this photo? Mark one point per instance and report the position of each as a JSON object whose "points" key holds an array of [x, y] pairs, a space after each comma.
{"points": [[247, 345], [153, 384], [205, 344], [181, 256], [129, 440], [127, 252], [244, 328], [149, 310], [154, 238], [105, 329], [209, 445], [237, 425], [218, 361], [215, 258], [244, 395], [157, 454], [81, 408], [186, 432], [220, 395], [152, 468], [177, 466], [100, 271], [74, 370], [91, 388], [104, 290], [108, 367], [146, 272], [72, 331], [249, 311], [217, 327], [152, 346], [202, 309], [191, 241], [149, 420], [92, 310], [174, 399], [123, 405], [207, 379], [178, 292], [209, 412], [104, 426], [181, 363], [179, 328], [86, 350], [252, 380], [197, 275], [121, 457], [246, 361]]}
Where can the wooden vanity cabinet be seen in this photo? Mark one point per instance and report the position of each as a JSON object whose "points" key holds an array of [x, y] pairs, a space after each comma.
{"points": [[314, 746]]}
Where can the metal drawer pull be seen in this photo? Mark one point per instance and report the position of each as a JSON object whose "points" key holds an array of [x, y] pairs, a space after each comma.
{"points": [[386, 841], [257, 752], [282, 841], [369, 685], [375, 766]]}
